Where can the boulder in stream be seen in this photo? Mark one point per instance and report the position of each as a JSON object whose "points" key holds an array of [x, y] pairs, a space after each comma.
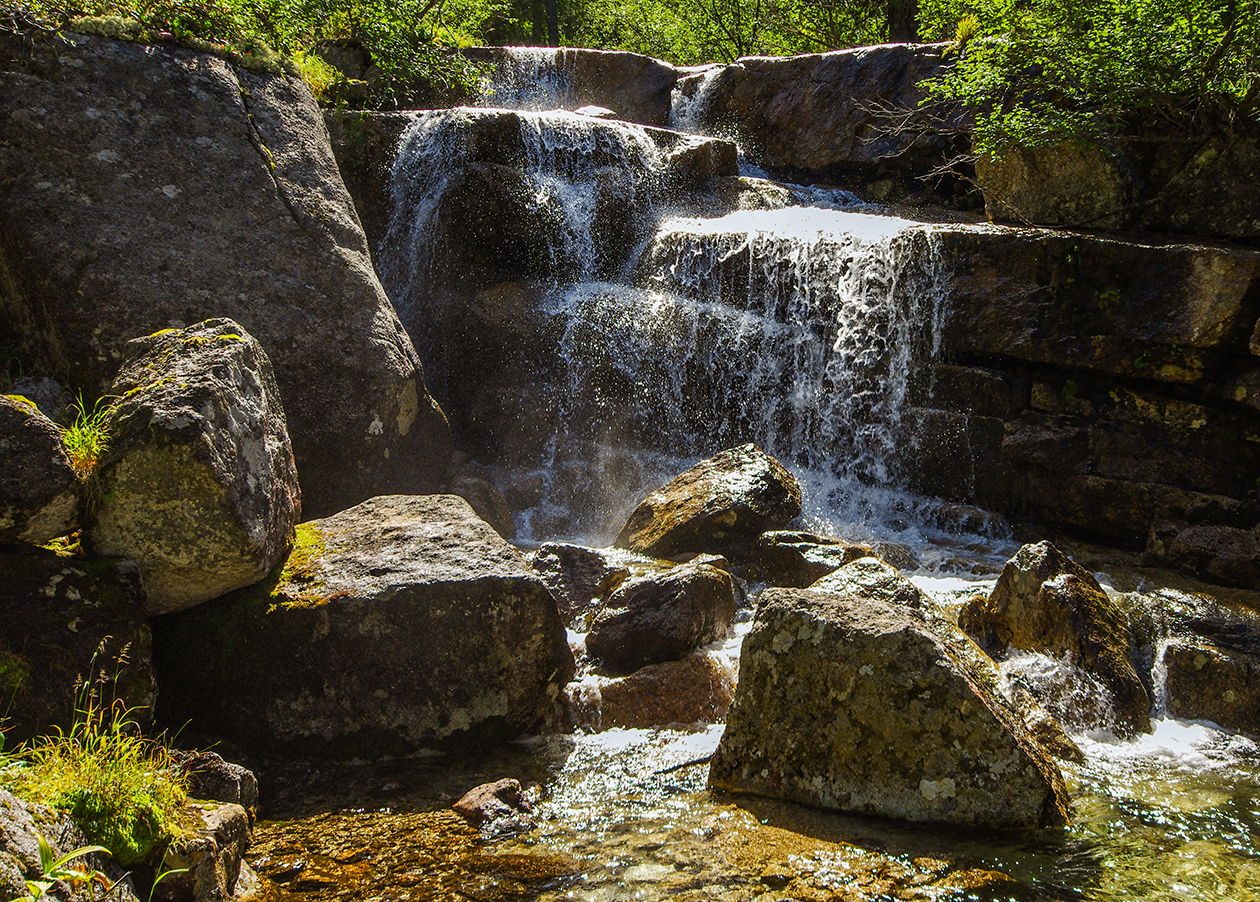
{"points": [[1045, 602], [858, 706], [198, 486], [404, 622], [662, 617], [718, 506], [39, 490], [869, 577], [694, 689], [493, 801], [577, 576], [797, 560], [1214, 681]]}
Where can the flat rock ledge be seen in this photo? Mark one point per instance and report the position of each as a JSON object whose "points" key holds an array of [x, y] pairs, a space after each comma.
{"points": [[856, 705]]}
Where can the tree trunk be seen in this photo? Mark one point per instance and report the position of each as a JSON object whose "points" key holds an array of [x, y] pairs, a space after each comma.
{"points": [[903, 21], [553, 23]]}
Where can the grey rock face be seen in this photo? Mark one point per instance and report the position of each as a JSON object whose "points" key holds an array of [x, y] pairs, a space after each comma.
{"points": [[39, 491], [857, 705], [57, 613], [718, 506], [403, 622], [662, 617], [199, 485], [153, 187]]}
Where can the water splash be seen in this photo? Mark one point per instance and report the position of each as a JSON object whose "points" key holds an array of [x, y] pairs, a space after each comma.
{"points": [[529, 78]]}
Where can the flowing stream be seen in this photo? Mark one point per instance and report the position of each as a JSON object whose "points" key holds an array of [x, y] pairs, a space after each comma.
{"points": [[802, 329]]}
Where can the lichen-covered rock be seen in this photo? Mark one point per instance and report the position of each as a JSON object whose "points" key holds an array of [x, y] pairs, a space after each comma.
{"points": [[39, 491], [858, 706], [207, 863], [210, 778], [870, 578], [199, 485], [662, 617], [149, 187], [401, 623], [21, 826], [718, 506], [1045, 602], [1209, 681], [57, 613], [576, 576], [1066, 185], [695, 689], [796, 560]]}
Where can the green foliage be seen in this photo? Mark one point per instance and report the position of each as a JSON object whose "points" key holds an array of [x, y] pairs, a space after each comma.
{"points": [[119, 788], [54, 870], [1040, 72], [408, 40], [86, 438]]}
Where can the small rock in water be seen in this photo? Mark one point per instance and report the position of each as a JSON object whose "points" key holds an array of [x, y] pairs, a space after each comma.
{"points": [[493, 801], [718, 506], [796, 560], [1045, 602]]}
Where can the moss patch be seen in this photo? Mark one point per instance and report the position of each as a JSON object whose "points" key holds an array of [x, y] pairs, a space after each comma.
{"points": [[299, 584]]}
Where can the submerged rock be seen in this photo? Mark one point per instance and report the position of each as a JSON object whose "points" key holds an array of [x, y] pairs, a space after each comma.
{"points": [[65, 620], [1046, 602], [858, 706], [39, 491], [662, 617], [718, 506], [493, 801], [150, 187], [199, 486], [401, 623]]}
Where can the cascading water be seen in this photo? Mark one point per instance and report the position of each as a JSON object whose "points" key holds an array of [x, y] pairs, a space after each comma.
{"points": [[528, 78]]}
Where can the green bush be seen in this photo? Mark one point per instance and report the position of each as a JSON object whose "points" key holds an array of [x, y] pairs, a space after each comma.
{"points": [[1039, 72]]}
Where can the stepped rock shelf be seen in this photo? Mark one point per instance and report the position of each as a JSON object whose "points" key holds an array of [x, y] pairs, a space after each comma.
{"points": [[827, 412]]}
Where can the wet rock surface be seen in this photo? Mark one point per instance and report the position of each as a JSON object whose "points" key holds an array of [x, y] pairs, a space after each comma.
{"points": [[1216, 682], [696, 689], [797, 560], [153, 187], [199, 486], [58, 612], [717, 506], [857, 705], [402, 622], [1045, 602], [661, 617], [39, 490], [870, 578], [577, 576], [494, 801]]}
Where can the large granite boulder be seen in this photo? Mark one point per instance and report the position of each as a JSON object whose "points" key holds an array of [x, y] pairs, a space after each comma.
{"points": [[401, 623], [718, 506], [152, 187], [66, 620], [208, 863], [858, 706], [21, 826], [828, 113], [634, 87], [198, 486], [39, 490], [662, 617], [1045, 602]]}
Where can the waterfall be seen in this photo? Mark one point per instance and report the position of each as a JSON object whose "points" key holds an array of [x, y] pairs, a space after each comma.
{"points": [[529, 78]]}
